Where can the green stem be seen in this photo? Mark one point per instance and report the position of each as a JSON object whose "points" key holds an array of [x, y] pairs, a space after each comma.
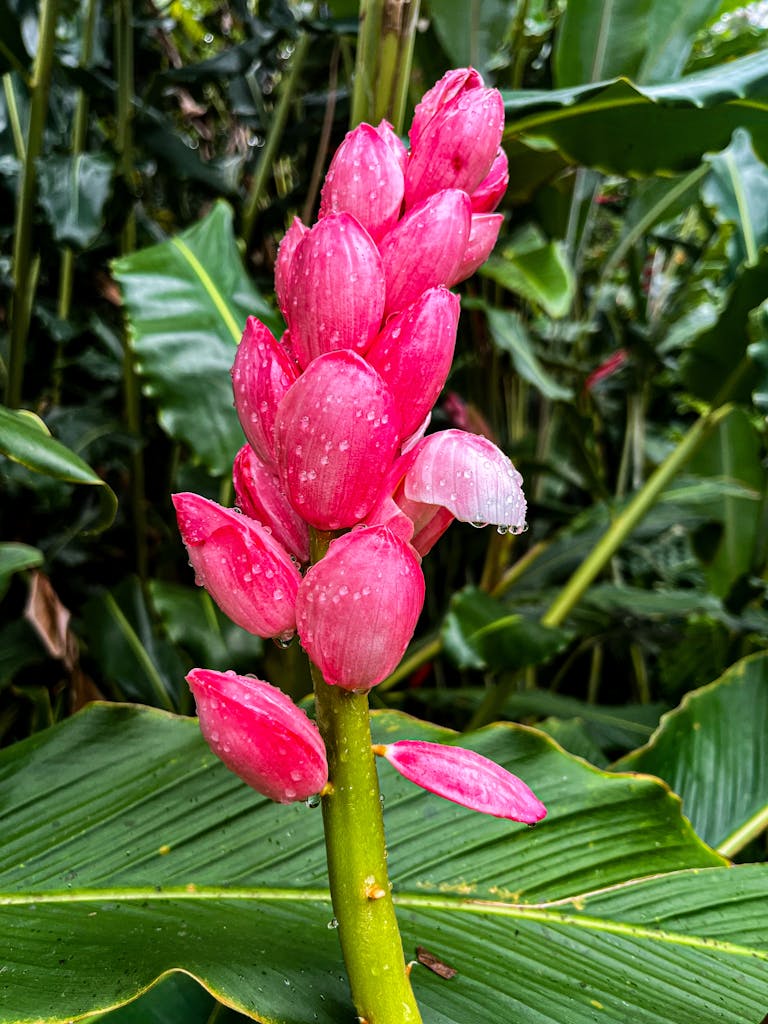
{"points": [[357, 855], [625, 523], [23, 285], [384, 54], [274, 138]]}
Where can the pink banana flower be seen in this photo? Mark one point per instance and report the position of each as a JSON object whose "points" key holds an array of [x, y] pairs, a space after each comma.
{"points": [[260, 735], [464, 777], [357, 608], [247, 573], [259, 495]]}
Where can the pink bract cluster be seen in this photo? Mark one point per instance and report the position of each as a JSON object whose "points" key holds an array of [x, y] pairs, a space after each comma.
{"points": [[335, 414]]}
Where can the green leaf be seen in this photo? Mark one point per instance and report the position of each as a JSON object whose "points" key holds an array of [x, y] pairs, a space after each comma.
{"points": [[737, 190], [469, 32], [25, 439], [148, 856], [479, 632], [648, 40], [187, 300], [73, 192], [758, 355], [733, 453], [175, 999], [15, 558], [509, 334], [710, 751], [622, 128], [536, 270]]}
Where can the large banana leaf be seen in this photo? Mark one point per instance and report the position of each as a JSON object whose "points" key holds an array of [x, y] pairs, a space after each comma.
{"points": [[187, 300], [711, 749], [128, 851], [623, 128]]}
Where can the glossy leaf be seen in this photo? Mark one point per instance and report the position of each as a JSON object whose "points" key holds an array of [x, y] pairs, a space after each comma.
{"points": [[162, 854], [536, 270], [709, 751], [73, 192], [599, 125], [509, 334], [15, 558], [187, 300], [24, 438], [469, 32], [736, 190]]}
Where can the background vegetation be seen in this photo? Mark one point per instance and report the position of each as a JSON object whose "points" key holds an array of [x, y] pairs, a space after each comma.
{"points": [[616, 346]]}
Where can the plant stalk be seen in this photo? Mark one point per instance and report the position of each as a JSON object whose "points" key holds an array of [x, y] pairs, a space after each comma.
{"points": [[357, 855], [384, 54], [23, 276]]}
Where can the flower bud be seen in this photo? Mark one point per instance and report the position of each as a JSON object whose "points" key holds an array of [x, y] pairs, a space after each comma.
{"points": [[366, 180], [426, 247], [246, 572], [443, 93], [413, 353], [284, 262], [261, 374], [483, 232], [395, 146], [336, 433], [357, 608], [464, 777], [259, 495], [336, 292], [260, 735]]}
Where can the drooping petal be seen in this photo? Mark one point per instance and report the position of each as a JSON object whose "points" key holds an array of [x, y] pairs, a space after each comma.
{"points": [[336, 293], [491, 189], [483, 233], [469, 476], [259, 495], [464, 777], [413, 353], [260, 735], [262, 373], [365, 179], [443, 93], [336, 433], [284, 262], [244, 569], [357, 608], [426, 247], [457, 147]]}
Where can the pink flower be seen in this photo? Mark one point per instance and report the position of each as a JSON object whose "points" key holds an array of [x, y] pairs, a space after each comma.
{"points": [[336, 432], [607, 369], [426, 247], [483, 232], [413, 353], [455, 136], [262, 373], [465, 777], [491, 189], [365, 179], [259, 495], [357, 608], [247, 573], [260, 735], [395, 146], [284, 263], [335, 295]]}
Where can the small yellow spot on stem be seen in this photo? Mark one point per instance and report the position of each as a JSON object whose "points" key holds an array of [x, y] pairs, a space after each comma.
{"points": [[164, 849], [327, 789], [379, 749]]}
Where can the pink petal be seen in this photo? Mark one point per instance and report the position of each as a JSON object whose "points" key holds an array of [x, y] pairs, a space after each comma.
{"points": [[284, 262], [262, 373], [336, 298], [336, 433], [247, 573], [426, 247], [259, 495], [482, 237], [457, 147], [470, 476], [491, 189], [413, 353], [366, 180], [357, 608], [260, 735], [397, 149], [443, 93], [466, 778]]}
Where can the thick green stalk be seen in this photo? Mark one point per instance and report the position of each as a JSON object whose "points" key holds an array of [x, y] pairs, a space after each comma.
{"points": [[357, 855], [23, 276], [625, 523], [384, 54]]}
